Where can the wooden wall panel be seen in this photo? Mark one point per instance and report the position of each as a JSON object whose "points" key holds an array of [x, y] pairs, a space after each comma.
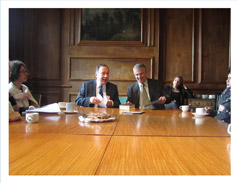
{"points": [[16, 29], [215, 45], [193, 43], [42, 36], [178, 44], [120, 68], [35, 38]]}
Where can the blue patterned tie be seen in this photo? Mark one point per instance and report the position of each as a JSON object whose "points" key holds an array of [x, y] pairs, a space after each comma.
{"points": [[100, 90]]}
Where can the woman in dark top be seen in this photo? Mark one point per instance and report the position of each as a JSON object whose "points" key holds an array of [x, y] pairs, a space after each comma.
{"points": [[178, 92]]}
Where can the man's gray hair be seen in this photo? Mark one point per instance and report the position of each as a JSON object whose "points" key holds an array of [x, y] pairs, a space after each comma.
{"points": [[137, 66]]}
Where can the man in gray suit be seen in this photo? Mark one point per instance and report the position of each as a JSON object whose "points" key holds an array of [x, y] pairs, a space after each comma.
{"points": [[92, 92], [146, 93]]}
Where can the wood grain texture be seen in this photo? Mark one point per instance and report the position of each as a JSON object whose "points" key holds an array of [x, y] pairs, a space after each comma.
{"points": [[67, 123], [215, 41], [169, 123], [158, 142], [166, 156], [178, 45], [55, 154]]}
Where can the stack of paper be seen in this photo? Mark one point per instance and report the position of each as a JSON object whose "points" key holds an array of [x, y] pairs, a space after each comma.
{"points": [[51, 108]]}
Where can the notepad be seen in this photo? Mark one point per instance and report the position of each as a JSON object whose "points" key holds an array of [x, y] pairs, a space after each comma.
{"points": [[51, 108]]}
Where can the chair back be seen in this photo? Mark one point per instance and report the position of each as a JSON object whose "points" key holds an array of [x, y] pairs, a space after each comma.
{"points": [[37, 97], [123, 100]]}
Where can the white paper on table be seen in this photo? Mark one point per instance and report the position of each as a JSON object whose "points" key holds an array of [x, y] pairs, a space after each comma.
{"points": [[103, 100], [51, 108]]}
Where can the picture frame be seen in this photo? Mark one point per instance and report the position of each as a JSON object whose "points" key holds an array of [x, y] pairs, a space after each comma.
{"points": [[111, 24]]}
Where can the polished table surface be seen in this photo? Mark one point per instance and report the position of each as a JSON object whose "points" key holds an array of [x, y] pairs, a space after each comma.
{"points": [[158, 142]]}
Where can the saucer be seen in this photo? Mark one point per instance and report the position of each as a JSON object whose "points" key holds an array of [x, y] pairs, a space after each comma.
{"points": [[200, 115]]}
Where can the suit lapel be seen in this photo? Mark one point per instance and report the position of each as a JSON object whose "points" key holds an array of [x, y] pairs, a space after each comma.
{"points": [[94, 87], [108, 89], [137, 93], [150, 88]]}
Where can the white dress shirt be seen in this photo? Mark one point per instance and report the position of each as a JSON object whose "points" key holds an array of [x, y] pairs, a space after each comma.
{"points": [[104, 92]]}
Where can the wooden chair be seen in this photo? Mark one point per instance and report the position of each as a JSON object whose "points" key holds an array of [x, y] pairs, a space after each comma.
{"points": [[37, 97]]}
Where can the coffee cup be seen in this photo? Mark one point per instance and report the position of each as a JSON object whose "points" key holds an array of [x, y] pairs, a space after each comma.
{"points": [[62, 105], [70, 106], [212, 96], [32, 117], [200, 111], [229, 129], [204, 96], [184, 108]]}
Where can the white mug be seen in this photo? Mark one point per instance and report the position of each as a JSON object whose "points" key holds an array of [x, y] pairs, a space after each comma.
{"points": [[204, 96], [229, 129], [32, 117], [212, 96], [200, 110], [70, 106], [62, 105], [184, 108]]}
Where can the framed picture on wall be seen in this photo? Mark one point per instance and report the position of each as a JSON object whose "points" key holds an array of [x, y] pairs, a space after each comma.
{"points": [[111, 25], [108, 26]]}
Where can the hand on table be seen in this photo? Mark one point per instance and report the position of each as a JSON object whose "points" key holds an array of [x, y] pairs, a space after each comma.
{"points": [[128, 102], [31, 107], [208, 109], [109, 103]]}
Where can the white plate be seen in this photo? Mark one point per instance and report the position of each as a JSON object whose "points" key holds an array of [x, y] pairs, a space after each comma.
{"points": [[200, 115], [133, 112], [82, 119], [73, 112]]}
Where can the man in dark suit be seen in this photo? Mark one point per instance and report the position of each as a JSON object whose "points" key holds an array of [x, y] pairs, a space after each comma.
{"points": [[145, 91], [97, 92]]}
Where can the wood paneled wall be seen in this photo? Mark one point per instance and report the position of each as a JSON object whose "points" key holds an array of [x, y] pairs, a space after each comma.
{"points": [[193, 43]]}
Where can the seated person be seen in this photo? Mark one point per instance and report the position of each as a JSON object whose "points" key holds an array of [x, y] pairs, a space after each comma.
{"points": [[145, 90], [178, 92], [224, 104], [17, 89], [89, 93]]}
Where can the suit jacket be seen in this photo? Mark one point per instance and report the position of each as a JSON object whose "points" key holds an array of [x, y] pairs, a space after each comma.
{"points": [[225, 99], [156, 90], [89, 89]]}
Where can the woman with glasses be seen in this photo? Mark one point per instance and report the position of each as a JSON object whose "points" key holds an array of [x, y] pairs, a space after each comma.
{"points": [[17, 90]]}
